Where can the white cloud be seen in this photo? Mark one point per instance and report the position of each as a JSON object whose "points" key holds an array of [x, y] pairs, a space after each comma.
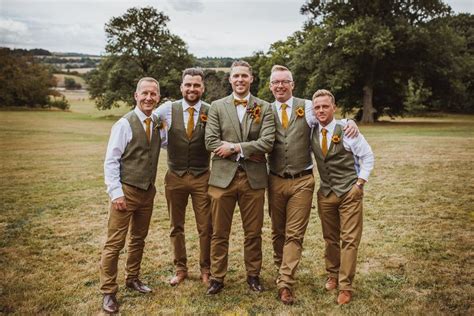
{"points": [[187, 5], [12, 31]]}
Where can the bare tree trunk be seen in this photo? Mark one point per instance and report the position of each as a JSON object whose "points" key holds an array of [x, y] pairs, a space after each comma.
{"points": [[367, 102], [368, 110]]}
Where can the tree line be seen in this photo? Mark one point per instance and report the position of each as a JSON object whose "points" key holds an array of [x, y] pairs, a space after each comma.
{"points": [[379, 57]]}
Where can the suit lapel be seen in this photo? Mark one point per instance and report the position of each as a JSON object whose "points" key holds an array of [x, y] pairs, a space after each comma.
{"points": [[232, 114], [247, 120]]}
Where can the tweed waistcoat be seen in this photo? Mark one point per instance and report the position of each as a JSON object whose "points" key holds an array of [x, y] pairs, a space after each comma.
{"points": [[187, 155], [337, 170], [291, 150], [140, 158]]}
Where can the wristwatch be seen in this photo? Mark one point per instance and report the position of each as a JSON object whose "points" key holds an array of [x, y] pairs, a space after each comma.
{"points": [[232, 148]]}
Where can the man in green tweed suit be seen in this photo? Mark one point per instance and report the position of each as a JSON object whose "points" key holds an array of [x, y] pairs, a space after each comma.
{"points": [[240, 131]]}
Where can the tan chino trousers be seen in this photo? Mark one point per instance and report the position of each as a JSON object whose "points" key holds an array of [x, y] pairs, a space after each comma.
{"points": [[290, 203], [341, 220], [135, 219], [177, 190], [223, 202]]}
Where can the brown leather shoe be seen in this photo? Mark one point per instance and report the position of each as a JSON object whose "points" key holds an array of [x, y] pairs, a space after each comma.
{"points": [[344, 297], [331, 284], [137, 285], [178, 278], [285, 296], [110, 304], [205, 278]]}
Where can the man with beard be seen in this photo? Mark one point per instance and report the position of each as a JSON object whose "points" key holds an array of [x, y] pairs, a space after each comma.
{"points": [[188, 171]]}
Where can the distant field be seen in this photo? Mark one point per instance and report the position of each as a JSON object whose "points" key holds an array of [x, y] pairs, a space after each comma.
{"points": [[79, 70], [61, 78], [416, 256]]}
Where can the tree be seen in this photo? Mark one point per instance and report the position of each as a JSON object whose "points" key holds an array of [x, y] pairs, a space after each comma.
{"points": [[365, 50], [138, 44], [24, 82], [71, 84]]}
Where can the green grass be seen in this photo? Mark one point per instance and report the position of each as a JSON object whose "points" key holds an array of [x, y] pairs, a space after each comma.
{"points": [[416, 255]]}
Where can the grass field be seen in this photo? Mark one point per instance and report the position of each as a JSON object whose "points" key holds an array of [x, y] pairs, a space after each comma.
{"points": [[416, 255]]}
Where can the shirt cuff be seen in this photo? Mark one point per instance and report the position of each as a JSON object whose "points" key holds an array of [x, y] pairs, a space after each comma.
{"points": [[364, 175], [116, 193]]}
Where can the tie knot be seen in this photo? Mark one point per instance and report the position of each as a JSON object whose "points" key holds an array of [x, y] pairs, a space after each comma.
{"points": [[147, 120], [324, 131], [191, 110], [240, 102], [284, 106]]}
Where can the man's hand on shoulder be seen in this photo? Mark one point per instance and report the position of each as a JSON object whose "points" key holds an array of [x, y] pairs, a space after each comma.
{"points": [[120, 204], [351, 129]]}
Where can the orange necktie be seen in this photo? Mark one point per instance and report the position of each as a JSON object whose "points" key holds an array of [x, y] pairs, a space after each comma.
{"points": [[189, 129], [148, 131], [284, 116], [324, 142]]}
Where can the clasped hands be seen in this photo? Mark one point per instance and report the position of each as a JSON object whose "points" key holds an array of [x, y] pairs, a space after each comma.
{"points": [[225, 150]]}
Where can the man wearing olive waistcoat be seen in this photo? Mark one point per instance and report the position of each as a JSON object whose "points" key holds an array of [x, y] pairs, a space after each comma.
{"points": [[188, 171], [130, 172], [240, 128], [291, 181], [344, 166]]}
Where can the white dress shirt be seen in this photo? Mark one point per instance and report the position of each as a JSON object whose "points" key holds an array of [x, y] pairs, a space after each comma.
{"points": [[120, 136], [308, 108], [164, 113], [240, 108], [363, 155]]}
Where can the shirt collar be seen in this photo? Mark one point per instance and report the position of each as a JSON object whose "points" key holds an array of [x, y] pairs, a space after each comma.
{"points": [[330, 127], [288, 102], [141, 116], [196, 107]]}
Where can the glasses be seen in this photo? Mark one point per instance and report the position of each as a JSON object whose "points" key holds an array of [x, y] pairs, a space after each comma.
{"points": [[282, 82]]}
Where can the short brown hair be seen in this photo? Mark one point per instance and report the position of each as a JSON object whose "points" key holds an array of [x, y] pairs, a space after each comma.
{"points": [[241, 63], [193, 72], [149, 79], [323, 92]]}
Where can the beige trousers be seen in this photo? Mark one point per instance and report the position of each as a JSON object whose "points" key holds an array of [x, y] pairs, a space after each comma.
{"points": [[341, 220], [290, 207], [177, 190], [223, 202], [135, 219]]}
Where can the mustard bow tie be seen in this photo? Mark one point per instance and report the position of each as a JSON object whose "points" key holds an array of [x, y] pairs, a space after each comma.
{"points": [[240, 102]]}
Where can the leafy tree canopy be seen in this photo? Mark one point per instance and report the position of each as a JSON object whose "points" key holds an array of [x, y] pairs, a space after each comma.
{"points": [[138, 44]]}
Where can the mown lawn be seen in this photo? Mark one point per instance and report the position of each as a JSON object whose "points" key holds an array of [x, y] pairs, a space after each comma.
{"points": [[416, 255]]}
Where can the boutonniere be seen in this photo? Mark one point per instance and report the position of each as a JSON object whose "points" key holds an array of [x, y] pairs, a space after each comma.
{"points": [[336, 139], [300, 111], [255, 111], [159, 124], [202, 119]]}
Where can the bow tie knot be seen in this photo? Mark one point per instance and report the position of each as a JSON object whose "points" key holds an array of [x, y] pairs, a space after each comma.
{"points": [[243, 102]]}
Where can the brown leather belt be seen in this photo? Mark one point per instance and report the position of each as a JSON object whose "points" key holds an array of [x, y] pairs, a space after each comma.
{"points": [[294, 176]]}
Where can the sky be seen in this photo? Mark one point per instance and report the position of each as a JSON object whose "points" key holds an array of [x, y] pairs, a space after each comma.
{"points": [[216, 28]]}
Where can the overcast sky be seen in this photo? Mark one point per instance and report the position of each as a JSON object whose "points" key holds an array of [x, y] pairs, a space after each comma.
{"points": [[209, 27]]}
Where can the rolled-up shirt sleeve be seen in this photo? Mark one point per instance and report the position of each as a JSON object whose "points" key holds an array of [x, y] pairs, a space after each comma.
{"points": [[120, 136], [363, 153]]}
